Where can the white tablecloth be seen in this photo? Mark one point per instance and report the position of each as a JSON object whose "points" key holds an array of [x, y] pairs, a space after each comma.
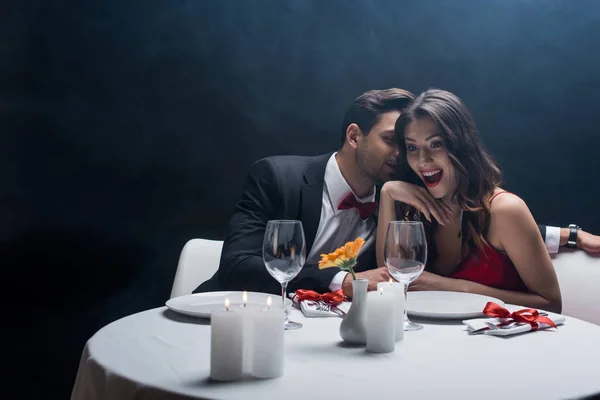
{"points": [[158, 354]]}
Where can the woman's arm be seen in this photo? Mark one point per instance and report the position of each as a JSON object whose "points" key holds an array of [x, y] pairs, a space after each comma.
{"points": [[514, 228], [517, 233], [410, 194], [430, 281], [387, 213]]}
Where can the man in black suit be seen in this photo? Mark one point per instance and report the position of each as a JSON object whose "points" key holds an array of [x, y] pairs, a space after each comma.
{"points": [[331, 194], [311, 189]]}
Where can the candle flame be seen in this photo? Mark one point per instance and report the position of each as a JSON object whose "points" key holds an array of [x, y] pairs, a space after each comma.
{"points": [[269, 302], [391, 280], [381, 290], [245, 298], [227, 304]]}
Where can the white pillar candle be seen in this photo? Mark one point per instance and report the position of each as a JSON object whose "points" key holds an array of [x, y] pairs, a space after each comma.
{"points": [[226, 344], [398, 289], [268, 331], [248, 317], [381, 321]]}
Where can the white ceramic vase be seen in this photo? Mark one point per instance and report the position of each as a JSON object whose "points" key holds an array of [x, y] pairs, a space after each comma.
{"points": [[353, 328]]}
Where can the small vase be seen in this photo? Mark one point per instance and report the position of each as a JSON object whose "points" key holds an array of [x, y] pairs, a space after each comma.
{"points": [[353, 328]]}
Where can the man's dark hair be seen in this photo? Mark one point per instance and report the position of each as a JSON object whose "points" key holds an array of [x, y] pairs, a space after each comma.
{"points": [[366, 110]]}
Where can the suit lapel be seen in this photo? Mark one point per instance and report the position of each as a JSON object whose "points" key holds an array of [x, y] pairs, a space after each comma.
{"points": [[311, 198], [377, 199], [311, 212]]}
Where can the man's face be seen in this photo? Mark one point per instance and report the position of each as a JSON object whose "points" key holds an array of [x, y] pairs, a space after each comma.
{"points": [[377, 152]]}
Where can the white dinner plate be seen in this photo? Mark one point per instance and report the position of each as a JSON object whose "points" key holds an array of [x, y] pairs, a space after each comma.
{"points": [[448, 305], [204, 304]]}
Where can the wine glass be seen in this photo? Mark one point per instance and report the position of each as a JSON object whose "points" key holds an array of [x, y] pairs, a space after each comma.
{"points": [[405, 257], [284, 253]]}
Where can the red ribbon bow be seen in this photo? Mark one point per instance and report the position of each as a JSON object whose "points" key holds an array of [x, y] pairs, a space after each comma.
{"points": [[333, 298], [528, 315], [365, 210]]}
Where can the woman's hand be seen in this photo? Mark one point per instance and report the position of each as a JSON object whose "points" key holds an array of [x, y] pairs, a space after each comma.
{"points": [[418, 197], [431, 281]]}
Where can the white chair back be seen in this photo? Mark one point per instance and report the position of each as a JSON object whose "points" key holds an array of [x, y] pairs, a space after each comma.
{"points": [[579, 279], [199, 260]]}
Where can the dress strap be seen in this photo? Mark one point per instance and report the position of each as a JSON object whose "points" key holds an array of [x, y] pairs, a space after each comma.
{"points": [[494, 196]]}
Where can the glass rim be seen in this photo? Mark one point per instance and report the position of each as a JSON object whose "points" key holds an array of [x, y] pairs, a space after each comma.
{"points": [[399, 222]]}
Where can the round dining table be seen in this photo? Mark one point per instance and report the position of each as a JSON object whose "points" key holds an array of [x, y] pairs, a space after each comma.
{"points": [[159, 354]]}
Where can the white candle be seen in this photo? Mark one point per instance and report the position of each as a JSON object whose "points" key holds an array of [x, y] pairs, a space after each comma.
{"points": [[381, 321], [398, 289], [248, 317], [226, 344], [268, 330]]}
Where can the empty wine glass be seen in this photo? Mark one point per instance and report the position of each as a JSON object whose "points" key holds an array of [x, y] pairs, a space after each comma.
{"points": [[405, 257], [284, 253]]}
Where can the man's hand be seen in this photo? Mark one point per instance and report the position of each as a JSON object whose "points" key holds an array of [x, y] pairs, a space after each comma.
{"points": [[588, 242], [585, 241], [373, 275]]}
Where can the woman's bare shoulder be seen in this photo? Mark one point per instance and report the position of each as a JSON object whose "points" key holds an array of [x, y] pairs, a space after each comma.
{"points": [[509, 208]]}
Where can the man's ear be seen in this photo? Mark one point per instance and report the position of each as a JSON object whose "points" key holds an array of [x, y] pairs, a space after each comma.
{"points": [[353, 135]]}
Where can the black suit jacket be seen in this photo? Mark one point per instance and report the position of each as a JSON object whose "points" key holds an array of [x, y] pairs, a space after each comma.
{"points": [[280, 187]]}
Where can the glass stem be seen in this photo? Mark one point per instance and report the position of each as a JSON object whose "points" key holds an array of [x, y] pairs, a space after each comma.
{"points": [[283, 294], [405, 300]]}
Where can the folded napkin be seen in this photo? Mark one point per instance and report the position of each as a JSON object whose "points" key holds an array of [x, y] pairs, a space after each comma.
{"points": [[315, 305], [512, 323]]}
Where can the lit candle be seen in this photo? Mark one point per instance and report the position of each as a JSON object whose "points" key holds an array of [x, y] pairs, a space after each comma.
{"points": [[381, 321], [226, 344], [248, 315], [398, 289], [268, 330]]}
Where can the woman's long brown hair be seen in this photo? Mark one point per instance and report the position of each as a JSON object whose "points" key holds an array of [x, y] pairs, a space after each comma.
{"points": [[476, 171]]}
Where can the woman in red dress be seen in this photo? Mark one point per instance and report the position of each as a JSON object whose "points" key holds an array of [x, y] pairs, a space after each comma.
{"points": [[481, 238]]}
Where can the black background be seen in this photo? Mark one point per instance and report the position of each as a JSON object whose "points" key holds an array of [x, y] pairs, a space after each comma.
{"points": [[127, 128]]}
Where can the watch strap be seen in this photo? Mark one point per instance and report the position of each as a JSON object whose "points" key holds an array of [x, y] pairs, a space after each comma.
{"points": [[572, 241]]}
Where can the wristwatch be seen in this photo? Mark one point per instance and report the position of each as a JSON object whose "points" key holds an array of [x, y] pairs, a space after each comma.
{"points": [[572, 241]]}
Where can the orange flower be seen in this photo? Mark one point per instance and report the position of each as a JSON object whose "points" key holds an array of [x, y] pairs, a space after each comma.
{"points": [[352, 248], [343, 257]]}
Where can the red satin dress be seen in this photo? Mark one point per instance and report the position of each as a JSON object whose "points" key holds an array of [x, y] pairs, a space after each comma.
{"points": [[490, 267]]}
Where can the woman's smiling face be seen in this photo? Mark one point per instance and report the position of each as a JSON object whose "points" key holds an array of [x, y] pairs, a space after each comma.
{"points": [[428, 157]]}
